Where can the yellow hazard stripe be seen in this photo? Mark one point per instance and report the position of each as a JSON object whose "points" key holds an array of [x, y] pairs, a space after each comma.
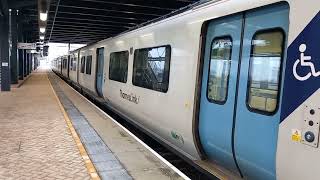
{"points": [[89, 165]]}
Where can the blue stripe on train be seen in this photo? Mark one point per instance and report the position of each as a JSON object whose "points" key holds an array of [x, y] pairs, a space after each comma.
{"points": [[295, 92]]}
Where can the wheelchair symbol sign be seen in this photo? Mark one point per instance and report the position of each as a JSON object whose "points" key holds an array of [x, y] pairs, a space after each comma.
{"points": [[304, 61]]}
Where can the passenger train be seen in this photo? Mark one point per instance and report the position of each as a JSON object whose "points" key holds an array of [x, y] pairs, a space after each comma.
{"points": [[231, 85]]}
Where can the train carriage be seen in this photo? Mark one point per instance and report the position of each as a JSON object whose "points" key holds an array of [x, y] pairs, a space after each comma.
{"points": [[230, 84]]}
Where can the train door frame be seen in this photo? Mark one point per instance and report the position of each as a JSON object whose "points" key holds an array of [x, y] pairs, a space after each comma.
{"points": [[200, 75], [99, 67], [216, 30]]}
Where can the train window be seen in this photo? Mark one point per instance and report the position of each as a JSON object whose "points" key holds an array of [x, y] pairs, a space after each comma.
{"points": [[65, 63], [59, 64], [264, 70], [88, 64], [70, 63], [219, 69], [118, 69], [82, 64], [151, 68], [74, 62]]}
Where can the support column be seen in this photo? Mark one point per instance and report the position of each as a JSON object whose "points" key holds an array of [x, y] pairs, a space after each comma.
{"points": [[20, 51], [4, 59], [14, 64], [28, 63], [25, 64], [31, 63], [35, 63], [21, 63]]}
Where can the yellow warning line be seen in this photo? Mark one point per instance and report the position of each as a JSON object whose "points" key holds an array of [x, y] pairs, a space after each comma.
{"points": [[89, 165]]}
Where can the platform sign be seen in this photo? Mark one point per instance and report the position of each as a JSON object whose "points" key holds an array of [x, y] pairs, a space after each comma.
{"points": [[5, 64], [27, 46], [32, 51]]}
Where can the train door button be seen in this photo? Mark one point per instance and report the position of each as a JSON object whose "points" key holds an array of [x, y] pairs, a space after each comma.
{"points": [[310, 123], [312, 111], [309, 136]]}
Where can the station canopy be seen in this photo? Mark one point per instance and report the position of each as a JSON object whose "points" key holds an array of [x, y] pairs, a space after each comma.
{"points": [[88, 21]]}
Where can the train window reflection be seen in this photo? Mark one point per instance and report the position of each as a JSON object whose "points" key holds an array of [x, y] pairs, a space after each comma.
{"points": [[118, 69], [88, 64], [151, 68], [264, 71], [220, 61]]}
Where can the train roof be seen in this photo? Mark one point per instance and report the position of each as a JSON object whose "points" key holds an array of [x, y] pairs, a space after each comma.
{"points": [[192, 8]]}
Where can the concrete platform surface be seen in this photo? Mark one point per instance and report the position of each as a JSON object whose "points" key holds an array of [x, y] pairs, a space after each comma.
{"points": [[35, 142], [137, 160]]}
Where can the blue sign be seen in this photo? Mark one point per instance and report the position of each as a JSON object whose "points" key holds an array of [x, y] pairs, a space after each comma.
{"points": [[302, 77]]}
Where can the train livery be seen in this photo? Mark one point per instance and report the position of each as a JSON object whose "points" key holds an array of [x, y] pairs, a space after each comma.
{"points": [[231, 85]]}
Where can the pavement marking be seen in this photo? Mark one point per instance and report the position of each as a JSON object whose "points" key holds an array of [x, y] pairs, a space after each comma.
{"points": [[135, 137], [89, 165]]}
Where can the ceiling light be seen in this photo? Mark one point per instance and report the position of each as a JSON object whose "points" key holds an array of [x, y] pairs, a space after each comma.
{"points": [[43, 16], [42, 37], [42, 30]]}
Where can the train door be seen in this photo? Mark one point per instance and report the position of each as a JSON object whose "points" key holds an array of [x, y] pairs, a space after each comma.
{"points": [[241, 85], [221, 59], [99, 76], [259, 92]]}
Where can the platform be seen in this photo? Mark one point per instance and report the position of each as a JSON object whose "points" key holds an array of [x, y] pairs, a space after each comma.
{"points": [[41, 124], [35, 142]]}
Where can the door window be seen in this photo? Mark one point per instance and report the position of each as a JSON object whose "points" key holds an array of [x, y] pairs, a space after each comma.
{"points": [[74, 62], [88, 65], [70, 63], [219, 69], [82, 64], [264, 70]]}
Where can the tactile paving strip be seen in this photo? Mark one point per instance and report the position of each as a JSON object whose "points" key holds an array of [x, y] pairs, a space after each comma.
{"points": [[107, 165]]}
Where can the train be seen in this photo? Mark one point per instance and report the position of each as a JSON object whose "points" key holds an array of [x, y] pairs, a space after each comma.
{"points": [[230, 85]]}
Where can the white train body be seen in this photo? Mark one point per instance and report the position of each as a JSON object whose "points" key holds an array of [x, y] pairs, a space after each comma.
{"points": [[173, 116]]}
